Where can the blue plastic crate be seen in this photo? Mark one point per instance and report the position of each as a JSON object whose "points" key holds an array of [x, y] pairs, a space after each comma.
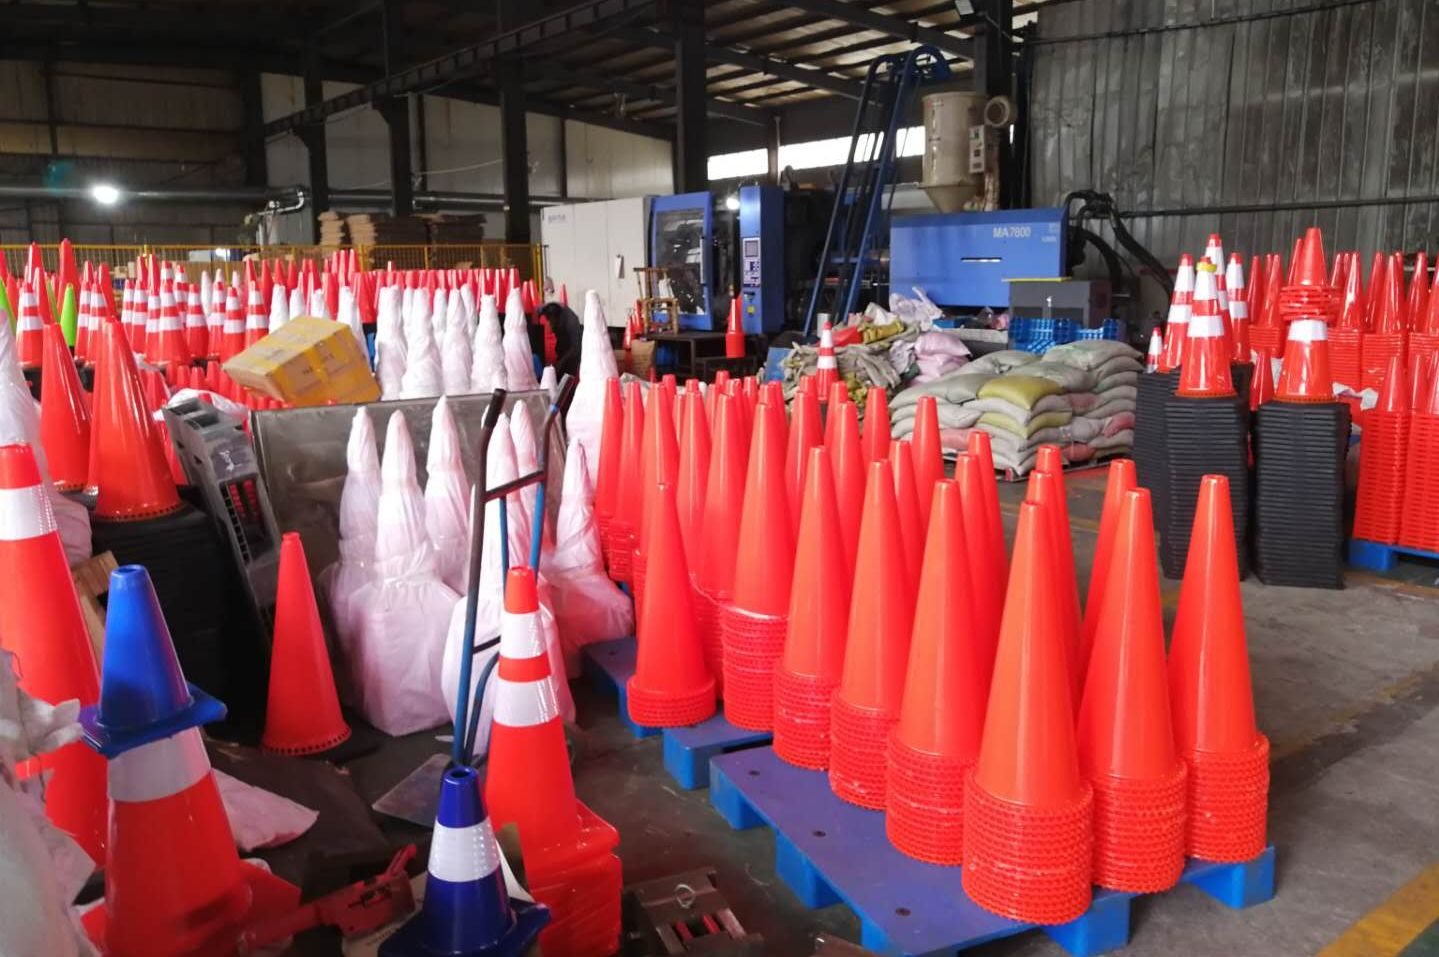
{"points": [[1111, 329]]}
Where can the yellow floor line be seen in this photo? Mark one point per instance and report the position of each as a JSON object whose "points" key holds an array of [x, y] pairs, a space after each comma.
{"points": [[1393, 925]]}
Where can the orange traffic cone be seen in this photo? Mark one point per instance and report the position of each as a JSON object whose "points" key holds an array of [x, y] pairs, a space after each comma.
{"points": [[1122, 478], [167, 348], [42, 626], [197, 339], [946, 689], [927, 452], [876, 425], [978, 446], [906, 499], [303, 716], [693, 480], [1238, 309], [29, 332], [1210, 693], [826, 367], [757, 614], [881, 615], [1418, 300], [986, 569], [1181, 304], [607, 475], [804, 434], [127, 464], [1205, 372], [1156, 350], [64, 415], [174, 884], [1305, 375], [734, 332], [567, 848], [1379, 502], [257, 320], [724, 505], [624, 525], [232, 337], [848, 464], [1261, 387], [1028, 846], [659, 463], [809, 671], [1126, 742], [1046, 489], [671, 686]]}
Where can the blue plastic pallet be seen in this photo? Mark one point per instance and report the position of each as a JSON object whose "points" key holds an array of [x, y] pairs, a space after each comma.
{"points": [[607, 666], [1376, 556], [830, 852]]}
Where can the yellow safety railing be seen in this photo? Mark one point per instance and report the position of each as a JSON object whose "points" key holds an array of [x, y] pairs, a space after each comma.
{"points": [[527, 258]]}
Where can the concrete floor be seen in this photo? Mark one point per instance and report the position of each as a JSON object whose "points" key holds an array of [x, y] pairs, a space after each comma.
{"points": [[1346, 685]]}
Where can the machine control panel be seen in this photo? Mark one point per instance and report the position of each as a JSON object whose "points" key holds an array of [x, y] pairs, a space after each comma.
{"points": [[749, 261]]}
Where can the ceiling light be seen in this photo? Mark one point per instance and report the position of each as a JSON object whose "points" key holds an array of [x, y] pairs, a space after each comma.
{"points": [[105, 194]]}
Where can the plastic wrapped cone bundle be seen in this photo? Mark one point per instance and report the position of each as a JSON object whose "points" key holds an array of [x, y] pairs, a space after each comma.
{"points": [[804, 434], [848, 464], [1180, 305], [127, 463], [467, 910], [810, 667], [671, 686], [1028, 839], [42, 626], [1205, 372], [1122, 478], [906, 498], [303, 715], [628, 491], [1047, 491], [876, 436], [720, 525], [1125, 740], [174, 884], [755, 618], [1389, 310], [1305, 375], [926, 450], [946, 687], [64, 416], [1210, 694], [881, 617], [692, 482]]}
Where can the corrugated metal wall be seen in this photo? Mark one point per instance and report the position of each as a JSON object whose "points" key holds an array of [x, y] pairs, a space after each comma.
{"points": [[1328, 109]]}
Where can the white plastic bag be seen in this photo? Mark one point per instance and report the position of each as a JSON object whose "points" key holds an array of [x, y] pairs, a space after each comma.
{"points": [[403, 610], [487, 366], [423, 376], [260, 818], [350, 315], [585, 419], [319, 305], [588, 606], [297, 302], [456, 360], [519, 359], [447, 498], [359, 503], [389, 342]]}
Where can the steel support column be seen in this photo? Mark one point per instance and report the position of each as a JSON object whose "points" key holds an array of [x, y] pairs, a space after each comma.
{"points": [[253, 148], [514, 149], [313, 135], [994, 75], [691, 157], [396, 113], [771, 149]]}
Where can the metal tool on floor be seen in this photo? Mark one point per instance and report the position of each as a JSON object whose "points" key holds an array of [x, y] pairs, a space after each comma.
{"points": [[684, 914]]}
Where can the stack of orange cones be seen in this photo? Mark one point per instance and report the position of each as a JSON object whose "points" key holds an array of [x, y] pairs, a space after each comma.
{"points": [[813, 659], [805, 433], [29, 331], [1383, 454], [720, 527], [946, 689], [906, 499], [42, 626], [866, 703], [1346, 335], [757, 614], [303, 715], [876, 436], [1424, 334], [624, 525], [1205, 372], [928, 454], [986, 566], [671, 686], [848, 465], [1308, 292], [659, 464], [568, 849], [1266, 331], [1028, 839], [127, 465], [1122, 478], [64, 415], [1261, 387], [1418, 300], [167, 347], [1210, 694], [1420, 526], [1181, 304], [607, 475], [1125, 739], [1046, 490], [1388, 335]]}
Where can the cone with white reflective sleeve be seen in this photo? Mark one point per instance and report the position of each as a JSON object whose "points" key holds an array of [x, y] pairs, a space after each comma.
{"points": [[827, 369], [1181, 304], [467, 910], [174, 884]]}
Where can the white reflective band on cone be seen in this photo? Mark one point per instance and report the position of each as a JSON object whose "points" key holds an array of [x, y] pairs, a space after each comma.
{"points": [[1238, 309], [1308, 330], [459, 854], [525, 704], [159, 769], [1205, 327], [1179, 312], [25, 513], [520, 635], [826, 362]]}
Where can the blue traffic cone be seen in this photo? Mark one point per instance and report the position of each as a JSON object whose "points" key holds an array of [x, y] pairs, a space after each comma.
{"points": [[143, 693], [467, 911]]}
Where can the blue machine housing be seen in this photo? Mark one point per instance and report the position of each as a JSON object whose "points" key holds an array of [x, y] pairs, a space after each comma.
{"points": [[761, 256], [666, 210], [964, 259]]}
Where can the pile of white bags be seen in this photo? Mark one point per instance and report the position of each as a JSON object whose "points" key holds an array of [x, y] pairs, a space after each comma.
{"points": [[487, 367], [519, 358], [447, 498], [359, 505]]}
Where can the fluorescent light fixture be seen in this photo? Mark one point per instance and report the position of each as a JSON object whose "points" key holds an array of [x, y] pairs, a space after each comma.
{"points": [[105, 194], [731, 202]]}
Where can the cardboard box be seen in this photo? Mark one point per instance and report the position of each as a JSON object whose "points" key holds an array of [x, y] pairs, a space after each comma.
{"points": [[307, 361], [642, 357]]}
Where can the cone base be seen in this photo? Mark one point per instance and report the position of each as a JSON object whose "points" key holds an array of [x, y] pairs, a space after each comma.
{"points": [[651, 708], [1140, 831], [924, 803], [753, 645], [270, 899], [1228, 803], [529, 920], [801, 719], [706, 610], [135, 514], [859, 742], [1025, 863], [277, 744]]}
